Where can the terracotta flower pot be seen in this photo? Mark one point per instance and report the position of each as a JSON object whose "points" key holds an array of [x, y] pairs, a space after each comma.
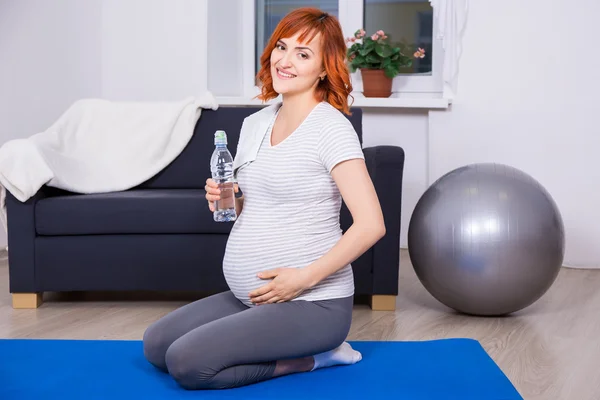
{"points": [[376, 83]]}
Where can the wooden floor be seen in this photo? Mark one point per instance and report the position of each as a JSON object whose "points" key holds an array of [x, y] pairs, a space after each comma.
{"points": [[550, 351]]}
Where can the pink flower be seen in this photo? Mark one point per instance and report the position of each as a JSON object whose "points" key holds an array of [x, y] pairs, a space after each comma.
{"points": [[380, 33], [420, 53], [375, 36], [350, 40], [360, 33]]}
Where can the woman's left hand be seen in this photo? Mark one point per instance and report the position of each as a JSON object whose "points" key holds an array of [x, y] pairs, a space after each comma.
{"points": [[286, 284]]}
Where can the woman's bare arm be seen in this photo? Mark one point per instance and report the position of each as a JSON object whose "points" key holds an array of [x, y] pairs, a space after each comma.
{"points": [[358, 192]]}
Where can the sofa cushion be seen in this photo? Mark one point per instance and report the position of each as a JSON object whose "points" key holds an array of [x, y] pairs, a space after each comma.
{"points": [[149, 211]]}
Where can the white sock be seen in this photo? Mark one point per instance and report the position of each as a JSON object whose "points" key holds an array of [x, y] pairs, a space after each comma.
{"points": [[343, 355]]}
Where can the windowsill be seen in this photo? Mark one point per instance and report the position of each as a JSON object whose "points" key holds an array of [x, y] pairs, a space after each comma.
{"points": [[426, 101], [423, 101]]}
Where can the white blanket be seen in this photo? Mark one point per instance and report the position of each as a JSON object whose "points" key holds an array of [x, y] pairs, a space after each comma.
{"points": [[100, 146]]}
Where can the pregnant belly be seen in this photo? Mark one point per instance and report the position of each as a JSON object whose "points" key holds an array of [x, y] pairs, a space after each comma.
{"points": [[247, 255], [249, 252]]}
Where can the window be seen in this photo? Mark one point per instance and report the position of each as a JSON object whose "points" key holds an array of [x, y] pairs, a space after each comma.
{"points": [[403, 21], [410, 21]]}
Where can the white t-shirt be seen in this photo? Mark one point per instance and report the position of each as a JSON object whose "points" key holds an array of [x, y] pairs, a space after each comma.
{"points": [[292, 206]]}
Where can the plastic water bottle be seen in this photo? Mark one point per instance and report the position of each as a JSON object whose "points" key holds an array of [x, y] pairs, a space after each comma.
{"points": [[221, 166]]}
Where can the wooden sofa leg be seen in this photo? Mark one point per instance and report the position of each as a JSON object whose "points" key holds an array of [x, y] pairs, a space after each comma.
{"points": [[381, 302], [27, 300]]}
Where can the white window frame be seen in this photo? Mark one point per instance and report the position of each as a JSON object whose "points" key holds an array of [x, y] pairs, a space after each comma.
{"points": [[351, 18]]}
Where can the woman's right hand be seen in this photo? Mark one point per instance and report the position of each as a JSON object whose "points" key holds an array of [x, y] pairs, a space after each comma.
{"points": [[212, 193]]}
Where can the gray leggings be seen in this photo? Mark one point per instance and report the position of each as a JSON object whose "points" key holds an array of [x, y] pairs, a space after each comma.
{"points": [[218, 342]]}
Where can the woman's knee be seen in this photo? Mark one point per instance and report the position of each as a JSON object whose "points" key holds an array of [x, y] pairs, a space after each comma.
{"points": [[189, 369], [156, 343]]}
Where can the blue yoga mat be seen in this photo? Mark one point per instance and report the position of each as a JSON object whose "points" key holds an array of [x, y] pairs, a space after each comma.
{"points": [[99, 369]]}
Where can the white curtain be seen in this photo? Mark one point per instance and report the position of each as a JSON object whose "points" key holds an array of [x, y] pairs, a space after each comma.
{"points": [[451, 17]]}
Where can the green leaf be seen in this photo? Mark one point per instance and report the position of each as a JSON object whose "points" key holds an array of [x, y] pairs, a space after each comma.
{"points": [[382, 50], [368, 47], [359, 61], [390, 71], [372, 58]]}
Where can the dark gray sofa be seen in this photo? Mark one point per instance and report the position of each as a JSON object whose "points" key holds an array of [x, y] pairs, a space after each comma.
{"points": [[160, 236]]}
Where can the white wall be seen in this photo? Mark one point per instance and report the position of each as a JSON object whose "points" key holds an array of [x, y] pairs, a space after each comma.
{"points": [[55, 52], [407, 129], [153, 50], [528, 97], [48, 58], [225, 74]]}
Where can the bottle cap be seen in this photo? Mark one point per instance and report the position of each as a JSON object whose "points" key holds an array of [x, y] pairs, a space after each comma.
{"points": [[220, 137]]}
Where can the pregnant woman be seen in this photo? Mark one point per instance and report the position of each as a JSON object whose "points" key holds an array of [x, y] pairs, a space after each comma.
{"points": [[287, 263]]}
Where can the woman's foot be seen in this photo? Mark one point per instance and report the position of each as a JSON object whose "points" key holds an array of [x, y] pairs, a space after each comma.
{"points": [[342, 355]]}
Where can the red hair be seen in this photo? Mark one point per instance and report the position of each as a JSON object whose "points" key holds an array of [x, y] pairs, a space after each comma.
{"points": [[336, 86]]}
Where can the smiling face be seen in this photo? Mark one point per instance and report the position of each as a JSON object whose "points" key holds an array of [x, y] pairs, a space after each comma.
{"points": [[306, 45], [296, 67]]}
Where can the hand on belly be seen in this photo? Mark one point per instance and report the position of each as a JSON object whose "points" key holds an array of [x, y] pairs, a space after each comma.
{"points": [[281, 284]]}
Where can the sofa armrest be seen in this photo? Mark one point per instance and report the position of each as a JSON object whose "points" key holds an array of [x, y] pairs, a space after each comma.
{"points": [[20, 218], [386, 167]]}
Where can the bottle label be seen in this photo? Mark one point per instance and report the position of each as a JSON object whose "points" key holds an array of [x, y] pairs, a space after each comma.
{"points": [[227, 197]]}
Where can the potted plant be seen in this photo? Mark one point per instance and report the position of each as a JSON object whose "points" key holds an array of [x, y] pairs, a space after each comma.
{"points": [[378, 61]]}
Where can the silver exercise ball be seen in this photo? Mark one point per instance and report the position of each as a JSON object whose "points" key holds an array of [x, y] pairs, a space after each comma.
{"points": [[486, 239]]}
